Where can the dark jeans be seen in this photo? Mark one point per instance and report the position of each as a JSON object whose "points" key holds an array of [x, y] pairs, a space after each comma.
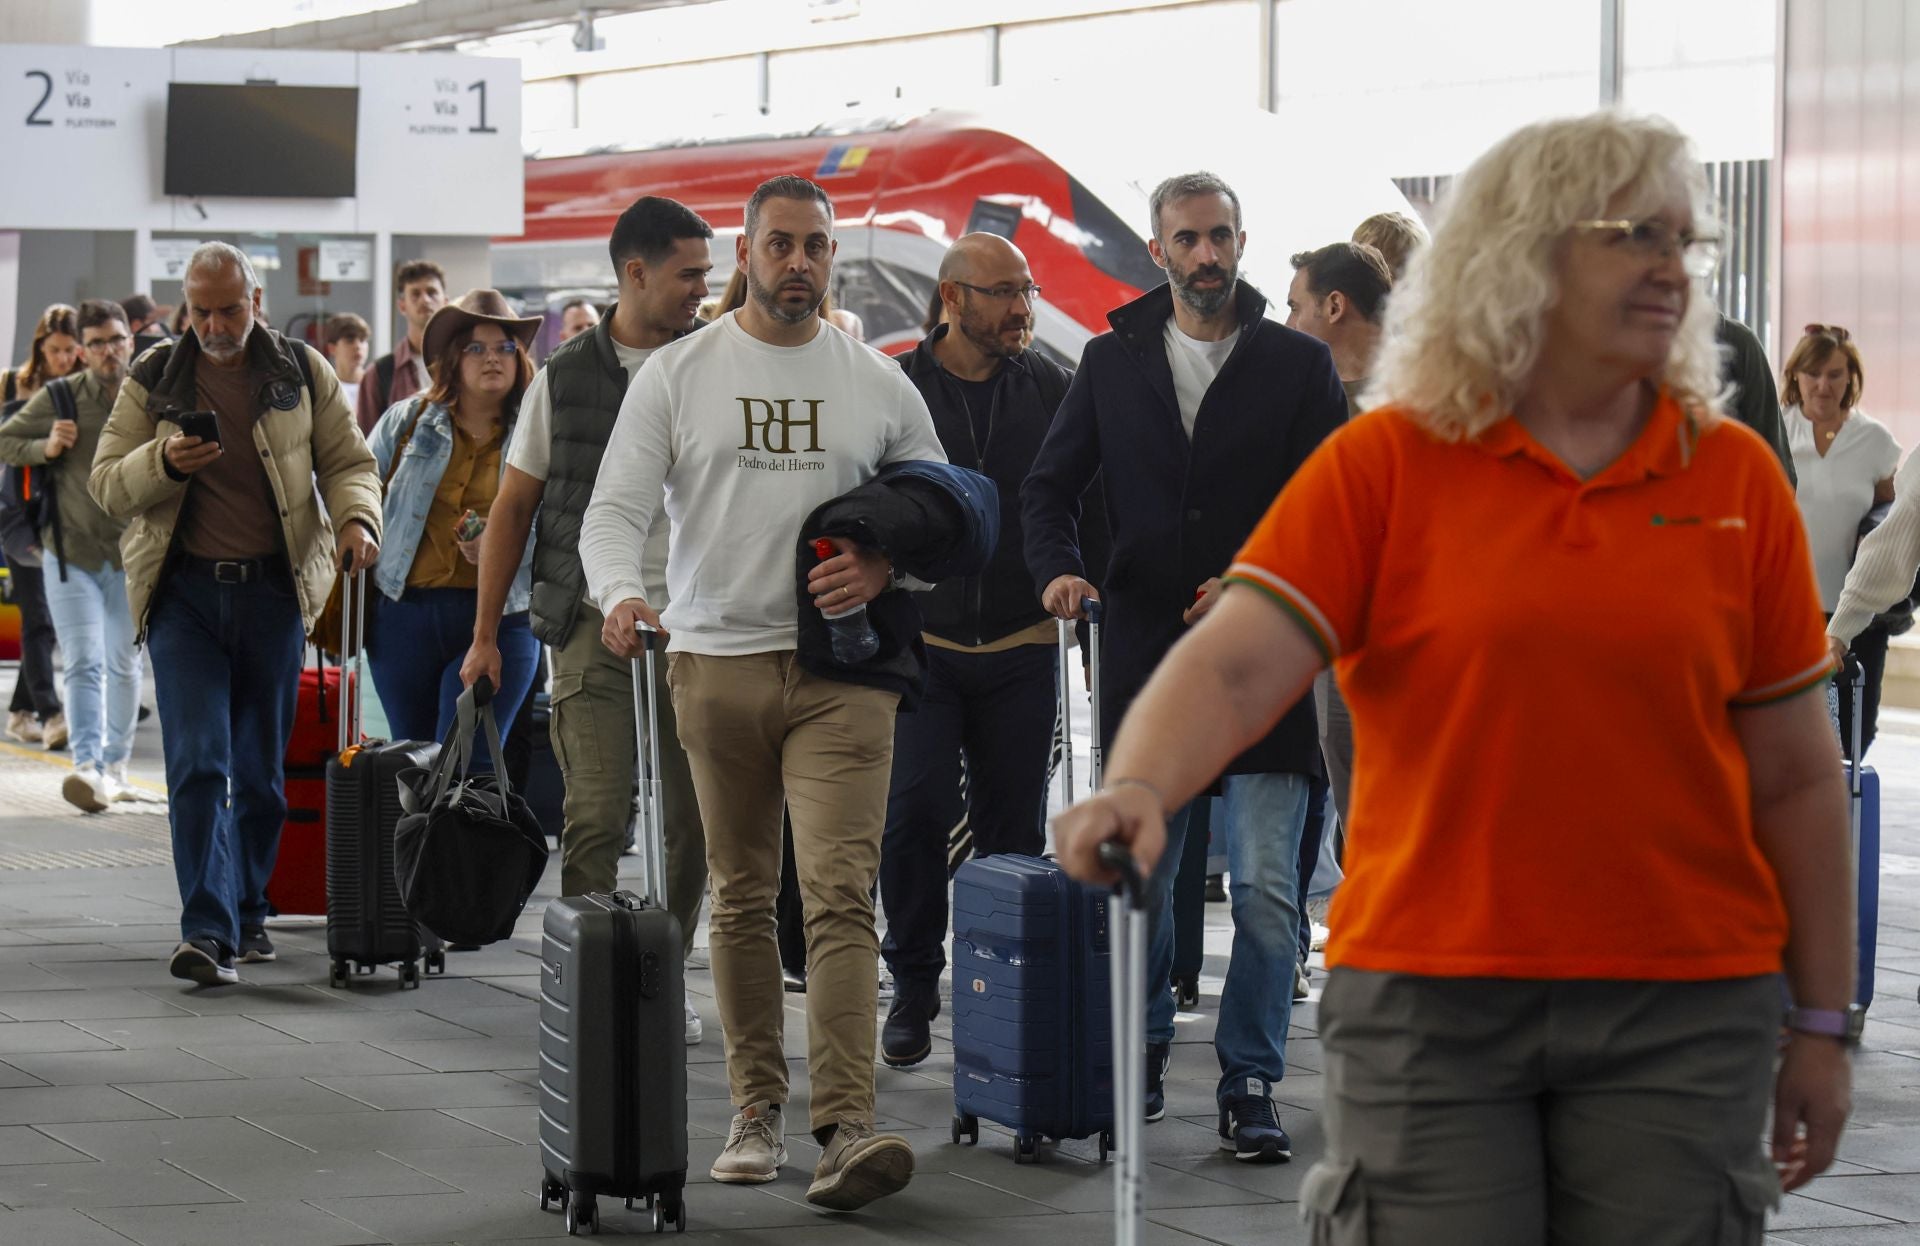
{"points": [[226, 665], [33, 688], [415, 646], [998, 708], [1870, 647], [1310, 837]]}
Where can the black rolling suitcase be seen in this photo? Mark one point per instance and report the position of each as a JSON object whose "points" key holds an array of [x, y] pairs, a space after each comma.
{"points": [[613, 1068], [367, 921]]}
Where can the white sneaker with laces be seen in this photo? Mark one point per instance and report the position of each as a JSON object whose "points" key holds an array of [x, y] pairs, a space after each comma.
{"points": [[756, 1146], [85, 789], [114, 779], [695, 1029]]}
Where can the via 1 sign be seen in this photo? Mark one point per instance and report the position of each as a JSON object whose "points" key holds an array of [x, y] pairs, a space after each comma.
{"points": [[95, 119], [440, 144]]}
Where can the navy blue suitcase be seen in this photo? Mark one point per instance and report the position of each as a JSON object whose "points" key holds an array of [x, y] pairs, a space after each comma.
{"points": [[1032, 1017]]}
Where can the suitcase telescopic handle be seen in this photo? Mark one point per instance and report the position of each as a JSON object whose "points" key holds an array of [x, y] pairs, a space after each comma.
{"points": [[1128, 995], [353, 637], [646, 734]]}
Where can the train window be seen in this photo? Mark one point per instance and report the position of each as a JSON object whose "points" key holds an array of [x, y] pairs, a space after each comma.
{"points": [[1108, 243], [988, 217]]}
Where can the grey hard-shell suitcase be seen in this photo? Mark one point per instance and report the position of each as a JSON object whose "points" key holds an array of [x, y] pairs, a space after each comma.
{"points": [[613, 1064]]}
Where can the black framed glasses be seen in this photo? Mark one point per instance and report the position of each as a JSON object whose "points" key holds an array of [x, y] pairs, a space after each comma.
{"points": [[106, 343], [1004, 294], [504, 349], [1656, 240]]}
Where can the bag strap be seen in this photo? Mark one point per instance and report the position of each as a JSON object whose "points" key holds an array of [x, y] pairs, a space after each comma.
{"points": [[400, 445], [64, 408], [456, 751], [383, 372], [12, 384]]}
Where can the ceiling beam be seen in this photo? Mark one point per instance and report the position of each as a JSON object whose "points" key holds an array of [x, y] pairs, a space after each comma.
{"points": [[429, 24]]}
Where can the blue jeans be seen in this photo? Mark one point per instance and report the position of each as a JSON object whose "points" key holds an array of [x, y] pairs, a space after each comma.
{"points": [[1264, 815], [95, 629], [226, 664], [415, 646]]}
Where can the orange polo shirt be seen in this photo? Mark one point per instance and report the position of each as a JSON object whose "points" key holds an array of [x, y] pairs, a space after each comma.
{"points": [[1542, 673]]}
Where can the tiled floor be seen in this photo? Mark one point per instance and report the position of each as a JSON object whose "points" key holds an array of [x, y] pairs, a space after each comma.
{"points": [[134, 1108]]}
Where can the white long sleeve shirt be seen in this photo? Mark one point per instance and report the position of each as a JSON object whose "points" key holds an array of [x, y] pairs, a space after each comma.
{"points": [[1884, 567], [741, 441]]}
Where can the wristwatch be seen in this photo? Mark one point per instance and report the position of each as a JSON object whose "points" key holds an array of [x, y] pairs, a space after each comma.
{"points": [[1825, 1022]]}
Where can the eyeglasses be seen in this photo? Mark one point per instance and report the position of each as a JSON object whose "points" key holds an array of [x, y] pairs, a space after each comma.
{"points": [[106, 343], [1656, 240], [1833, 331], [503, 349], [1005, 294]]}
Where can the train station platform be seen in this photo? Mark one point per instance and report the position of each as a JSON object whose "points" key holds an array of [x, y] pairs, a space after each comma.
{"points": [[136, 1108]]}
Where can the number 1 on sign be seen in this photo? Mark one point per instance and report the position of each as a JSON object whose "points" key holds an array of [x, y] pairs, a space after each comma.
{"points": [[483, 127]]}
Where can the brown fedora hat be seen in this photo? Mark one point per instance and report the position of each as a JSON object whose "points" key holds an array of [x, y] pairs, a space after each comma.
{"points": [[481, 306]]}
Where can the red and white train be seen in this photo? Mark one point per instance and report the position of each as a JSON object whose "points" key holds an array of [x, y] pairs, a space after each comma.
{"points": [[1071, 192]]}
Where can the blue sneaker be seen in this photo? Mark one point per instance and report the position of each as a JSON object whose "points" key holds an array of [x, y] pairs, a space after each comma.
{"points": [[1250, 1128], [1159, 1056]]}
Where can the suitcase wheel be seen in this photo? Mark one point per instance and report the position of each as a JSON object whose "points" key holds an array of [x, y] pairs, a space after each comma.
{"points": [[436, 962], [966, 1125], [552, 1191], [670, 1209], [410, 976], [1106, 1144], [583, 1215], [1026, 1148], [338, 975]]}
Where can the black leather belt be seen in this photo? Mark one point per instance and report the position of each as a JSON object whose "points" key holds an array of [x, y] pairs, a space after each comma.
{"points": [[233, 570]]}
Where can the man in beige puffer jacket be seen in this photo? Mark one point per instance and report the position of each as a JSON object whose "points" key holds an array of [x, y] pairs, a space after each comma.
{"points": [[230, 551]]}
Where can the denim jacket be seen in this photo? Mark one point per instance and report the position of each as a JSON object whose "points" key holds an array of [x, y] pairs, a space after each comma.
{"points": [[410, 494]]}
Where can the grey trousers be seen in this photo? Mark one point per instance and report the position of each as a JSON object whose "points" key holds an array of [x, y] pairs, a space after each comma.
{"points": [[1490, 1112]]}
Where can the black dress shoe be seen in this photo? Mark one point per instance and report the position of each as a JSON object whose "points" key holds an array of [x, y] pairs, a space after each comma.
{"points": [[907, 1038]]}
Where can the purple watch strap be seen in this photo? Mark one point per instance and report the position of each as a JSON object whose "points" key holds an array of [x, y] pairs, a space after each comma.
{"points": [[1819, 1021]]}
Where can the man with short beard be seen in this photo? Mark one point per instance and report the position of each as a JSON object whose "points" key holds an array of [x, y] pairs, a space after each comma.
{"points": [[1196, 410], [85, 586], [990, 643], [743, 430], [231, 548]]}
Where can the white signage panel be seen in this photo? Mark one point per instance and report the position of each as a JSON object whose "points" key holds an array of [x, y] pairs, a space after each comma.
{"points": [[170, 256], [345, 259], [84, 132], [440, 144]]}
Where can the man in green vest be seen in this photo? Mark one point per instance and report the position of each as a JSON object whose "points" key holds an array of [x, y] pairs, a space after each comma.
{"points": [[661, 258]]}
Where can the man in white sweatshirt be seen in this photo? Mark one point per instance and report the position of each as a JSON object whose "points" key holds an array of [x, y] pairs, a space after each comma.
{"points": [[743, 430]]}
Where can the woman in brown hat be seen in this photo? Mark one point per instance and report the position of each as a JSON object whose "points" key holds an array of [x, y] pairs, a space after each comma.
{"points": [[441, 455]]}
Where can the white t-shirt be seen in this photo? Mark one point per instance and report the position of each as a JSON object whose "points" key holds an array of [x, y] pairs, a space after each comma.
{"points": [[350, 390], [1836, 492], [531, 451], [1195, 363], [741, 441]]}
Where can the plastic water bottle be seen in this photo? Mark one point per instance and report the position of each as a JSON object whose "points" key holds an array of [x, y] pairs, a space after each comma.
{"points": [[854, 640]]}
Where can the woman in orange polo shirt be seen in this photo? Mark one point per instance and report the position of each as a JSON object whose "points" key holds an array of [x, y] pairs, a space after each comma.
{"points": [[1594, 814]]}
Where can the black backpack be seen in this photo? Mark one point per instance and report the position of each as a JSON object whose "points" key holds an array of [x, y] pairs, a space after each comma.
{"points": [[27, 493]]}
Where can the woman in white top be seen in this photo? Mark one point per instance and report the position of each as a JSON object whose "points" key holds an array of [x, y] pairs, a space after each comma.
{"points": [[1845, 460]]}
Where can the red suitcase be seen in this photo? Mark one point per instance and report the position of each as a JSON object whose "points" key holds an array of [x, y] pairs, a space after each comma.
{"points": [[299, 881]]}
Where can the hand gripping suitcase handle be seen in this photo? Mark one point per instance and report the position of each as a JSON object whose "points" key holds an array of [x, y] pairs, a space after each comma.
{"points": [[646, 734], [1127, 935]]}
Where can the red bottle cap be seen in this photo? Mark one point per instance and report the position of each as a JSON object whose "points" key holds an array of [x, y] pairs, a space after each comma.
{"points": [[823, 548]]}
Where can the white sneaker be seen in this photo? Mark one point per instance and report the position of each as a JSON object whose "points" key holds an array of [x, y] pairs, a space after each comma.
{"points": [[53, 733], [24, 727], [117, 787], [756, 1147], [85, 789], [695, 1029], [1319, 940]]}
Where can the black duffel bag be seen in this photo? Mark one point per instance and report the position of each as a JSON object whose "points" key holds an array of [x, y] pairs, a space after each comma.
{"points": [[468, 852]]}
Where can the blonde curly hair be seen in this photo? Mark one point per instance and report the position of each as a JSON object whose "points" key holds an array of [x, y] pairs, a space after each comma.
{"points": [[1464, 329]]}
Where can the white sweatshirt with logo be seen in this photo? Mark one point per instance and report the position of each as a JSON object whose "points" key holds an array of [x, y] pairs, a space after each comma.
{"points": [[741, 440]]}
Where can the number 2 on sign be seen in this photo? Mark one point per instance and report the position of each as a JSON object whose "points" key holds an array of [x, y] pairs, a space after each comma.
{"points": [[46, 93], [483, 127]]}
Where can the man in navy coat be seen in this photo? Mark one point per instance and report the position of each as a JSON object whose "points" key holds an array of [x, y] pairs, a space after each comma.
{"points": [[1195, 411]]}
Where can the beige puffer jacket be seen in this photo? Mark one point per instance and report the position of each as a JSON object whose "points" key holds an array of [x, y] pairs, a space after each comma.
{"points": [[322, 473]]}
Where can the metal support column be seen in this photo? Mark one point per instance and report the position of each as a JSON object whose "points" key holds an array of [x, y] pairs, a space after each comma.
{"points": [[1269, 56], [1612, 69]]}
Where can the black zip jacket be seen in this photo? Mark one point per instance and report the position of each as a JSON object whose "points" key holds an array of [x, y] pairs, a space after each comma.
{"points": [[979, 609], [935, 521]]}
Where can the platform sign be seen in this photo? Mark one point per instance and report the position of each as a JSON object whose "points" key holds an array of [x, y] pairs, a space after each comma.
{"points": [[440, 144], [170, 257], [84, 131]]}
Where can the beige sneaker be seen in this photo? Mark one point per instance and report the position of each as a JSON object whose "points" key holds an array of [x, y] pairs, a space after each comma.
{"points": [[756, 1147], [24, 727], [859, 1166], [53, 733]]}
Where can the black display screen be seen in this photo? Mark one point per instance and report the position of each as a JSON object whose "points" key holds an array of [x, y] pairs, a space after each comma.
{"points": [[261, 140]]}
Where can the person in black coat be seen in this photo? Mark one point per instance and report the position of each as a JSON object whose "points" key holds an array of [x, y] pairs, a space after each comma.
{"points": [[1195, 411], [991, 661]]}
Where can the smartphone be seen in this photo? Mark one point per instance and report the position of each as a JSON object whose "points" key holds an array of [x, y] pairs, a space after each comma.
{"points": [[202, 424], [471, 526]]}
